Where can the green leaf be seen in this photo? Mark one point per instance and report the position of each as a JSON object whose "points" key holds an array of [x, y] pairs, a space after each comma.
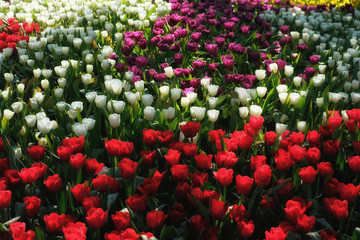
{"points": [[111, 199], [62, 202], [2, 228], [95, 153], [293, 236], [323, 222], [356, 234], [39, 234], [168, 232]]}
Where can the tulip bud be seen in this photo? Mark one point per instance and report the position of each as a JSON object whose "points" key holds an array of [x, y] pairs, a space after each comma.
{"points": [[17, 107], [355, 97], [8, 77], [30, 120], [175, 93], [205, 82], [212, 102], [213, 90], [21, 88], [192, 96], [44, 83], [80, 129], [147, 99], [22, 131], [117, 106], [55, 125], [89, 68], [86, 78], [260, 74], [149, 113], [243, 112], [89, 122], [322, 68], [100, 101], [90, 96], [114, 120], [319, 102], [139, 86], [297, 81], [164, 91], [280, 128], [355, 84], [169, 72], [5, 94], [61, 82], [129, 75], [185, 101], [255, 110], [261, 91], [284, 118], [213, 115], [294, 98], [131, 97], [289, 70], [44, 125], [283, 97], [17, 152], [198, 113], [282, 88], [273, 67], [42, 142], [8, 114]]}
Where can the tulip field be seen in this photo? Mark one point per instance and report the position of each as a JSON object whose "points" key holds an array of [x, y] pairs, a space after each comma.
{"points": [[174, 119]]}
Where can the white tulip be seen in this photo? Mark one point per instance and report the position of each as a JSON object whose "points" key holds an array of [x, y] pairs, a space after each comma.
{"points": [[213, 115], [77, 105], [37, 73], [289, 70], [192, 96], [58, 93], [282, 88], [319, 102], [131, 98], [40, 115], [44, 125], [260, 74], [297, 81], [34, 103], [114, 120], [149, 113], [17, 107], [147, 99], [8, 114], [86, 78], [77, 42], [169, 72], [205, 82], [261, 91], [212, 102], [39, 97], [185, 101], [284, 118], [8, 77], [198, 112], [44, 84], [243, 112], [61, 82], [301, 126], [255, 110], [100, 101], [139, 86], [175, 93], [116, 106], [89, 122], [30, 120], [129, 75], [46, 73], [213, 90], [322, 68], [8, 52], [294, 98], [164, 91], [355, 97], [355, 84], [90, 96], [5, 94], [80, 129], [20, 87], [283, 97], [280, 128], [273, 67]]}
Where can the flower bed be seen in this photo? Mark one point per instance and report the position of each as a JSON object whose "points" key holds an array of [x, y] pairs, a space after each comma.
{"points": [[181, 120]]}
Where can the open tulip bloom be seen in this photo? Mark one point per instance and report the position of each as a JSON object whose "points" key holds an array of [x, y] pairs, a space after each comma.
{"points": [[176, 119]]}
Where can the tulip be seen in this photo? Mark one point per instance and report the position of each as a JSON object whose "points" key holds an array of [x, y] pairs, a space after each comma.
{"points": [[149, 113], [192, 96], [30, 120], [100, 101], [89, 122], [131, 97], [7, 52], [282, 88], [58, 93], [8, 77], [198, 113], [86, 78], [80, 129], [213, 115], [17, 107], [213, 90], [283, 97], [61, 82], [90, 96], [255, 110], [114, 120], [185, 101], [261, 91], [243, 112], [294, 98], [5, 94], [21, 88], [260, 74], [205, 82], [117, 106], [168, 113], [355, 97], [39, 97], [139, 86], [289, 70], [44, 125], [212, 102], [147, 99], [169, 72], [8, 114], [175, 93], [355, 84], [164, 91], [280, 128], [273, 67]]}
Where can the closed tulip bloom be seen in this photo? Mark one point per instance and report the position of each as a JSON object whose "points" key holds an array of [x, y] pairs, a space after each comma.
{"points": [[149, 113], [114, 120], [213, 115], [260, 74]]}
